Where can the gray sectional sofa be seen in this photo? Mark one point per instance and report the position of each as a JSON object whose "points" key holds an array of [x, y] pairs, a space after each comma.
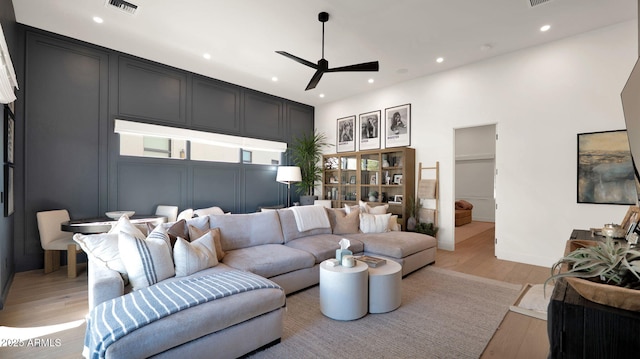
{"points": [[270, 245]]}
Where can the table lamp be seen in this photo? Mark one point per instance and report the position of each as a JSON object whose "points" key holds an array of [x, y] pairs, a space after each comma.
{"points": [[288, 175]]}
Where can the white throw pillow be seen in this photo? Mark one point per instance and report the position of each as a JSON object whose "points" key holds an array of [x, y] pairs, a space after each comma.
{"points": [[102, 248], [195, 256], [349, 209], [147, 260], [374, 223], [124, 225], [366, 208], [378, 209]]}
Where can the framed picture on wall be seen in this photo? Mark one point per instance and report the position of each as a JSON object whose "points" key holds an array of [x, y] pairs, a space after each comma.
{"points": [[605, 170], [397, 126], [370, 130], [9, 136], [9, 204], [346, 134]]}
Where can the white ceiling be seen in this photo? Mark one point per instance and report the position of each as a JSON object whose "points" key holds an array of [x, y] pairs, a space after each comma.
{"points": [[405, 36]]}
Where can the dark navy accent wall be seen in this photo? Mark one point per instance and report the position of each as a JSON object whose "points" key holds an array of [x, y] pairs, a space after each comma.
{"points": [[73, 91], [10, 29]]}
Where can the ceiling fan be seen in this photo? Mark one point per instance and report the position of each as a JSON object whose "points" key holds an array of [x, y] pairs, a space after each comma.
{"points": [[323, 65]]}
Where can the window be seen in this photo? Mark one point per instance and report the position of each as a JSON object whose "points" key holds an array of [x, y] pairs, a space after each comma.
{"points": [[147, 140]]}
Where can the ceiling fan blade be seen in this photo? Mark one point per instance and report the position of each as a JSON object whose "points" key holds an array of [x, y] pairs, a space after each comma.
{"points": [[314, 80], [297, 59], [366, 66]]}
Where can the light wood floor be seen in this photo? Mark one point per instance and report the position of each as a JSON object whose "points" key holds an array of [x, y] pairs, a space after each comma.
{"points": [[519, 336], [36, 300]]}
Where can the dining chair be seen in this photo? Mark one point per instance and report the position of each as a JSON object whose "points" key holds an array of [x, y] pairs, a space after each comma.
{"points": [[186, 214], [207, 211], [171, 212], [54, 240]]}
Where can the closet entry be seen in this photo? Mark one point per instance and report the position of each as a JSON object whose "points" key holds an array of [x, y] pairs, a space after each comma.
{"points": [[475, 172]]}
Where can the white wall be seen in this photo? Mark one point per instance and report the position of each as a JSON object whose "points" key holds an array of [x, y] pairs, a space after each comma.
{"points": [[540, 98]]}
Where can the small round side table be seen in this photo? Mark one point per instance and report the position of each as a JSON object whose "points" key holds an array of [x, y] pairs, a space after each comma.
{"points": [[344, 291], [385, 287]]}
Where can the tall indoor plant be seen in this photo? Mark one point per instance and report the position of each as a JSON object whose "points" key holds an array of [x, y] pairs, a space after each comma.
{"points": [[306, 153]]}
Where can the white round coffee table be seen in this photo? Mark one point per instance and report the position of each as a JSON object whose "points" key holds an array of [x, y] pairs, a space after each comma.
{"points": [[385, 287], [343, 291]]}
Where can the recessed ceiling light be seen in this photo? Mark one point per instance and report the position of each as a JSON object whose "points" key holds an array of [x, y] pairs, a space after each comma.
{"points": [[274, 79], [207, 56], [371, 81], [98, 19], [321, 95], [439, 59], [545, 28]]}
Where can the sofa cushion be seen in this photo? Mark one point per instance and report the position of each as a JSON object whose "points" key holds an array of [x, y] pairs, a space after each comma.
{"points": [[269, 260], [343, 223], [147, 260], [290, 228], [323, 246], [192, 257], [395, 244], [247, 230]]}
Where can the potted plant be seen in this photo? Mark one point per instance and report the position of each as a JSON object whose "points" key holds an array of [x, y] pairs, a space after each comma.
{"points": [[306, 153], [606, 272], [427, 228]]}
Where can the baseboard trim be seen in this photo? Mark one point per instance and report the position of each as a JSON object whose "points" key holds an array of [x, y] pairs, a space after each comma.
{"points": [[5, 290]]}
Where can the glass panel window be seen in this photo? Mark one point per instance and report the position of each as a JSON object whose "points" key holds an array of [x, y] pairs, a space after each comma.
{"points": [[213, 153], [147, 146]]}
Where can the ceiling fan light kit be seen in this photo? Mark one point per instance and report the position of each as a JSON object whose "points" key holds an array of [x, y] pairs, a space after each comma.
{"points": [[323, 65]]}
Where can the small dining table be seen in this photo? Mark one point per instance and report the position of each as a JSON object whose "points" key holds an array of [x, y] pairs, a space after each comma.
{"points": [[104, 224]]}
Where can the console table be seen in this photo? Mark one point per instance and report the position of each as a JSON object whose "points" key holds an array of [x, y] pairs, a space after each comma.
{"points": [[579, 328]]}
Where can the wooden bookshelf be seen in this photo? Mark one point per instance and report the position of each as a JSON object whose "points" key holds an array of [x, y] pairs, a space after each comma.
{"points": [[350, 177]]}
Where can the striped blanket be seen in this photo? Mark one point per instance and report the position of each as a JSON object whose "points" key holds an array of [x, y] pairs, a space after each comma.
{"points": [[111, 320]]}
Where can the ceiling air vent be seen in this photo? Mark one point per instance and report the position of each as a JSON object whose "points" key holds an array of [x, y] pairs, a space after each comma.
{"points": [[124, 6], [534, 3]]}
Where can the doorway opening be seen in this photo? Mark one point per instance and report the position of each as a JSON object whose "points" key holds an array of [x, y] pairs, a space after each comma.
{"points": [[475, 185]]}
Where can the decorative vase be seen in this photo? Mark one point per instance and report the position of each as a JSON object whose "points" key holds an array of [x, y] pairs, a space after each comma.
{"points": [[372, 199], [411, 223]]}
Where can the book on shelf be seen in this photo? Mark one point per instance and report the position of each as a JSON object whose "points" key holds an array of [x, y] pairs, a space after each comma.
{"points": [[372, 261]]}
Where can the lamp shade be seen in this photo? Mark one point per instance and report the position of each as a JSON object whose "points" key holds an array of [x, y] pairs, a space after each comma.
{"points": [[288, 174]]}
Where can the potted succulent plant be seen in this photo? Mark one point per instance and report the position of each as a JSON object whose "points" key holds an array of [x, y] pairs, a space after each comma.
{"points": [[606, 272], [306, 152]]}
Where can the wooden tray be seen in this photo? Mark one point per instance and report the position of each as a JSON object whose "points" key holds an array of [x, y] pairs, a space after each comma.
{"points": [[611, 295]]}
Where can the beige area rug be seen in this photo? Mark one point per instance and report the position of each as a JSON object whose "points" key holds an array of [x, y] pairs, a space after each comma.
{"points": [[444, 314], [471, 229]]}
